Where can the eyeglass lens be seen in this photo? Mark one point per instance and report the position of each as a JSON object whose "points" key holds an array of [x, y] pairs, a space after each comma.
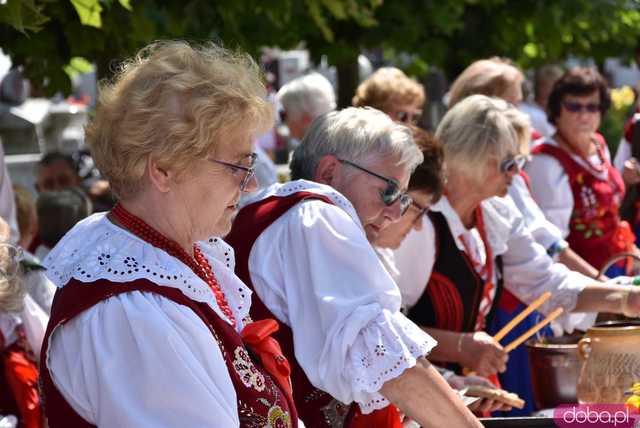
{"points": [[575, 107]]}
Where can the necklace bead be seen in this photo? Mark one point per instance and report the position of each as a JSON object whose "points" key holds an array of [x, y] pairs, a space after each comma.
{"points": [[198, 263]]}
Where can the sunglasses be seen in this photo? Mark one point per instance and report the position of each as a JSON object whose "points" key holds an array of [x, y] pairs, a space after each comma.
{"points": [[249, 171], [576, 107], [513, 164], [406, 117], [391, 194]]}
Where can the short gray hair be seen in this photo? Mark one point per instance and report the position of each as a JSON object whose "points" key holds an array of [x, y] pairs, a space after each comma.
{"points": [[356, 134], [474, 130], [312, 94]]}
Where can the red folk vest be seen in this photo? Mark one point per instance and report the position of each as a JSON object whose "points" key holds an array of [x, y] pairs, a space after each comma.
{"points": [[595, 230], [261, 400], [316, 408]]}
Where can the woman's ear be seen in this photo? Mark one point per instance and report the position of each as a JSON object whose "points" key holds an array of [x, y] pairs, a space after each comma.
{"points": [[159, 177], [327, 170]]}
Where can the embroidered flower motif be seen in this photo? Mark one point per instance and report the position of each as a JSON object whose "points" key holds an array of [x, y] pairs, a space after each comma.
{"points": [[380, 350], [100, 259], [249, 375], [278, 418]]}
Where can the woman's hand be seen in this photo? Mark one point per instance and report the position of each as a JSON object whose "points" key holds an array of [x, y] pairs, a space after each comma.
{"points": [[484, 404], [482, 354], [631, 172], [489, 405]]}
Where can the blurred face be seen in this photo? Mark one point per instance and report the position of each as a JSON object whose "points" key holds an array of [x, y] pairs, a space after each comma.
{"points": [[297, 122], [393, 235], [405, 113], [56, 176], [579, 118], [210, 191], [365, 192]]}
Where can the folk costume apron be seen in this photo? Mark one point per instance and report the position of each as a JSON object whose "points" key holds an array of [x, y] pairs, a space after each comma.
{"points": [[456, 297]]}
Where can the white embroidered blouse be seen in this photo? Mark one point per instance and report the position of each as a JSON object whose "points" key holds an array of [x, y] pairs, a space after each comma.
{"points": [[316, 271], [139, 359], [528, 270]]}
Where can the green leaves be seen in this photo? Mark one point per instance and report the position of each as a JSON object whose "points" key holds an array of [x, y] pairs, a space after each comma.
{"points": [[89, 12], [23, 15], [44, 35]]}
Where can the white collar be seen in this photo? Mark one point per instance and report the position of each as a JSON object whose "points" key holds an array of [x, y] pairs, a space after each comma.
{"points": [[498, 214], [603, 175], [291, 187], [97, 249]]}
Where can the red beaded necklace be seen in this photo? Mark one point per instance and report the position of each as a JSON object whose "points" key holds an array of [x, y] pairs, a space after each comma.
{"points": [[198, 263]]}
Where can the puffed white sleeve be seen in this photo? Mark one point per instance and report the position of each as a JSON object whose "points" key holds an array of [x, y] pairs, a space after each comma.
{"points": [[550, 188], [316, 271], [529, 272], [414, 260], [622, 154], [544, 232], [140, 360]]}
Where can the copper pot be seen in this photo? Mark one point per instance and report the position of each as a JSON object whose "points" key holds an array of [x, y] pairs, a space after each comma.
{"points": [[610, 355], [554, 367]]}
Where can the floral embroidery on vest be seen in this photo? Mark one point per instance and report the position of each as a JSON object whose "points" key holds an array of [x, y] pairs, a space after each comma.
{"points": [[587, 220], [249, 375], [276, 417]]}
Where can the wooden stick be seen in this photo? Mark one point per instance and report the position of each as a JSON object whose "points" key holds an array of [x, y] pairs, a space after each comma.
{"points": [[522, 315], [533, 330]]}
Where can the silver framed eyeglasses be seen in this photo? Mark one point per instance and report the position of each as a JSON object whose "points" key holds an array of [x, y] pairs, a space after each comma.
{"points": [[391, 194], [249, 171]]}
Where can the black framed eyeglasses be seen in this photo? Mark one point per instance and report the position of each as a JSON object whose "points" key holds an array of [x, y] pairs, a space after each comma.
{"points": [[513, 164], [391, 194], [249, 171]]}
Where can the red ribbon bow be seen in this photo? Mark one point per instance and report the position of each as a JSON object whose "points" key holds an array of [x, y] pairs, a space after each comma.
{"points": [[257, 336]]}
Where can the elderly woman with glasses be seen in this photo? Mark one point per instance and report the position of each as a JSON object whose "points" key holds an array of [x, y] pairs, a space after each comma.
{"points": [[148, 309], [572, 177], [498, 77], [393, 92], [475, 244]]}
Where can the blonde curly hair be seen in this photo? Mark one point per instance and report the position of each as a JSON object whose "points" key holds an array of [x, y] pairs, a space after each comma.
{"points": [[177, 103], [386, 87]]}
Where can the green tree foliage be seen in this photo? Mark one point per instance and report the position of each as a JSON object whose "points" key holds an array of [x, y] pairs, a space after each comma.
{"points": [[44, 35]]}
